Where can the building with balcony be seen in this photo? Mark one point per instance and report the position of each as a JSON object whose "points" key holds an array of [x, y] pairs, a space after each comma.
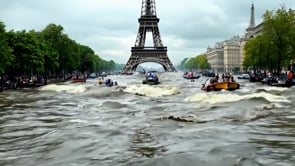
{"points": [[228, 56], [215, 57], [225, 56]]}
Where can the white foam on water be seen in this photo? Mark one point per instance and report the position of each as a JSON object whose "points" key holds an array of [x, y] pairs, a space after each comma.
{"points": [[70, 88], [259, 111], [99, 91], [274, 88], [151, 91], [230, 97]]}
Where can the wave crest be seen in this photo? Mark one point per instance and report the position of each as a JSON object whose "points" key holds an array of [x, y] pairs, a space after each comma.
{"points": [[226, 98], [151, 91]]}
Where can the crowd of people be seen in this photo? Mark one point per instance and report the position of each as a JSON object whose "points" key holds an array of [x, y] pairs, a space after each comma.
{"points": [[224, 77], [108, 82], [21, 82], [150, 76]]}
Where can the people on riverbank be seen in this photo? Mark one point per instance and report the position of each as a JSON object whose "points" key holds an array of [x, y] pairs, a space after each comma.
{"points": [[290, 77], [19, 82]]}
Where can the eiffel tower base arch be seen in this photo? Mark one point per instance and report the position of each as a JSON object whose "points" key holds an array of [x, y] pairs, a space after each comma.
{"points": [[148, 22], [148, 54]]}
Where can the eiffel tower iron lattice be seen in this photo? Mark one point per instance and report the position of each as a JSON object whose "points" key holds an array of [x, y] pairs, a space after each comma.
{"points": [[148, 22]]}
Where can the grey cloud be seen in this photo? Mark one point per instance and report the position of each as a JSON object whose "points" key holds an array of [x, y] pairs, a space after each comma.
{"points": [[110, 27]]}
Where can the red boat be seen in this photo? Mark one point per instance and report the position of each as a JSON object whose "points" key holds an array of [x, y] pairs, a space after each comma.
{"points": [[190, 75], [79, 78]]}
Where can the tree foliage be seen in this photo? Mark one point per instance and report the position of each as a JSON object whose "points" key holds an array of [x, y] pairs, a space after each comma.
{"points": [[202, 62], [274, 47], [48, 52], [6, 56], [198, 62]]}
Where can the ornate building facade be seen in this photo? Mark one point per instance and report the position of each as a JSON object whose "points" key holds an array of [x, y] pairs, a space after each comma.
{"points": [[215, 57], [228, 56], [224, 57], [231, 52]]}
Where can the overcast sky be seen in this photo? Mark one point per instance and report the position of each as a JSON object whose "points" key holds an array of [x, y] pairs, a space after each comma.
{"points": [[109, 27]]}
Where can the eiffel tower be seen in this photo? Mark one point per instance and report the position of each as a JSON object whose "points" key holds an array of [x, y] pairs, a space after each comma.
{"points": [[140, 53]]}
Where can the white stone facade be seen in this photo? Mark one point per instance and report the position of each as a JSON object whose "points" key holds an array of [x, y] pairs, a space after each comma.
{"points": [[225, 56]]}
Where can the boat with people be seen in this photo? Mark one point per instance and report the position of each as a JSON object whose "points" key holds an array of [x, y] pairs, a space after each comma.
{"points": [[216, 85], [92, 75], [279, 81], [108, 82], [79, 78], [151, 78], [190, 75], [244, 76]]}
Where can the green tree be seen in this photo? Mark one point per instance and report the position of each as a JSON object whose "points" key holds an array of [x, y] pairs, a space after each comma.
{"points": [[199, 62], [52, 38], [5, 50], [202, 62], [182, 63], [69, 55], [29, 59], [258, 54], [47, 52], [273, 48], [190, 63], [87, 59]]}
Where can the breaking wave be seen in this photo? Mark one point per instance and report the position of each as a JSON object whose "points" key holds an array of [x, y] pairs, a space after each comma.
{"points": [[226, 98], [70, 88], [151, 91]]}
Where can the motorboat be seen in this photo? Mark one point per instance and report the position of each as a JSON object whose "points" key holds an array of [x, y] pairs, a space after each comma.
{"points": [[217, 86], [92, 75], [277, 81], [151, 82], [151, 79], [244, 76], [79, 78], [190, 75]]}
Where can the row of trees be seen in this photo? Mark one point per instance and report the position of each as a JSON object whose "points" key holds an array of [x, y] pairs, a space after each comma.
{"points": [[274, 48], [49, 52], [198, 62]]}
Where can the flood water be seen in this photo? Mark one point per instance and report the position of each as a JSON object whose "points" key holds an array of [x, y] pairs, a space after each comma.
{"points": [[170, 124]]}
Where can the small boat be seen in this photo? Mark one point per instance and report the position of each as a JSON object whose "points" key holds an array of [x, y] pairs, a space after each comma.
{"points": [[190, 75], [79, 78], [277, 81], [151, 79], [244, 76], [126, 73], [208, 74], [217, 86], [92, 75], [151, 82]]}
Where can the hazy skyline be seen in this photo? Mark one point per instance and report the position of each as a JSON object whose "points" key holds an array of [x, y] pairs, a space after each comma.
{"points": [[110, 27]]}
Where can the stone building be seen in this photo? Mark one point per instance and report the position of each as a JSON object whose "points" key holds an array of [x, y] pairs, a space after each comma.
{"points": [[231, 51], [228, 56], [224, 57], [215, 57]]}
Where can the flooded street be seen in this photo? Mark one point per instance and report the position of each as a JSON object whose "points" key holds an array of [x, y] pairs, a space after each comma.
{"points": [[173, 123]]}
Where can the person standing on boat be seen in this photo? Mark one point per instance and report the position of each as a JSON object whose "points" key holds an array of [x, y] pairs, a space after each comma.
{"points": [[191, 74], [99, 81], [216, 78], [156, 77], [149, 75], [290, 77]]}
